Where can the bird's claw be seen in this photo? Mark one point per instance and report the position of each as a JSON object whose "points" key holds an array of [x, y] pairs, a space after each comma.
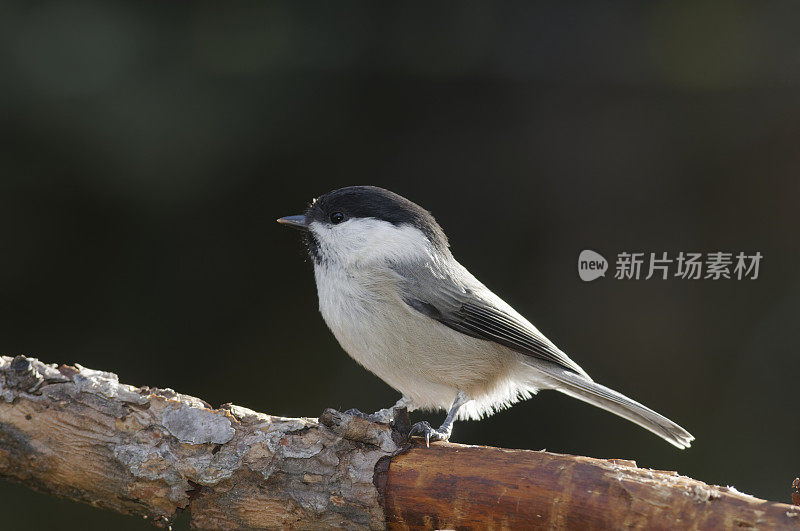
{"points": [[424, 429]]}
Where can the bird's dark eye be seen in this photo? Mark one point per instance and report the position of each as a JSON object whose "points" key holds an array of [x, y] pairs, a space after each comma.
{"points": [[337, 217]]}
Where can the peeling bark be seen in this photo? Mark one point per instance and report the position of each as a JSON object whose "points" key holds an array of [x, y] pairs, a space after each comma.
{"points": [[80, 434]]}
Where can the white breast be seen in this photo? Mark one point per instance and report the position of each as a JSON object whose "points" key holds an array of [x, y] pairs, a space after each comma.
{"points": [[372, 324]]}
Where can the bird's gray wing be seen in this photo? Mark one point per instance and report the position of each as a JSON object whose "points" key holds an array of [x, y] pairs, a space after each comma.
{"points": [[459, 301]]}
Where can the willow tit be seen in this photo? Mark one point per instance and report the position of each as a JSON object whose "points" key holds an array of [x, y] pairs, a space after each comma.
{"points": [[401, 305]]}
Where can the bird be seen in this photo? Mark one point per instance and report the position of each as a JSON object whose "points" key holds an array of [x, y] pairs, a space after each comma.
{"points": [[404, 308]]}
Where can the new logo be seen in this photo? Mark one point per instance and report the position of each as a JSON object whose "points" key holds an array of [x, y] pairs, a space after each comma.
{"points": [[591, 265]]}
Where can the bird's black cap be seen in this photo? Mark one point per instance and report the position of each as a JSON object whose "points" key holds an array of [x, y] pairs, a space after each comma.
{"points": [[377, 203]]}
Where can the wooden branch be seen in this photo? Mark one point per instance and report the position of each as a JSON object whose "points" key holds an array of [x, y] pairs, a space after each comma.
{"points": [[80, 434]]}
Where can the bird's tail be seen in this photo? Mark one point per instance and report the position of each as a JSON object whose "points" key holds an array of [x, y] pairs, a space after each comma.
{"points": [[580, 387]]}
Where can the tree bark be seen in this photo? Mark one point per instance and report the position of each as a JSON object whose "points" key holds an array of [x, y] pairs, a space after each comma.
{"points": [[80, 434]]}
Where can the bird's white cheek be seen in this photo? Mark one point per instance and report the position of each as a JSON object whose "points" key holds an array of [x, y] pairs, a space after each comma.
{"points": [[367, 240], [338, 243]]}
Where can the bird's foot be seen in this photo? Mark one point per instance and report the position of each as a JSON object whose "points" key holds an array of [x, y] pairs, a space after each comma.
{"points": [[424, 429]]}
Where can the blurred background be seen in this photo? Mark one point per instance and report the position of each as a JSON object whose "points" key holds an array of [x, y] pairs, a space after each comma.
{"points": [[146, 150]]}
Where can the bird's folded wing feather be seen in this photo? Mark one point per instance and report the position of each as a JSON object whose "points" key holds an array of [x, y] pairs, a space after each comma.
{"points": [[462, 303]]}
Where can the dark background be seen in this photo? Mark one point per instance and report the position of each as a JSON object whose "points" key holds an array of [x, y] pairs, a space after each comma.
{"points": [[147, 149]]}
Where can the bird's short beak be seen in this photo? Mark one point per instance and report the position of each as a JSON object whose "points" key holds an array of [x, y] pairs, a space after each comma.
{"points": [[297, 222]]}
